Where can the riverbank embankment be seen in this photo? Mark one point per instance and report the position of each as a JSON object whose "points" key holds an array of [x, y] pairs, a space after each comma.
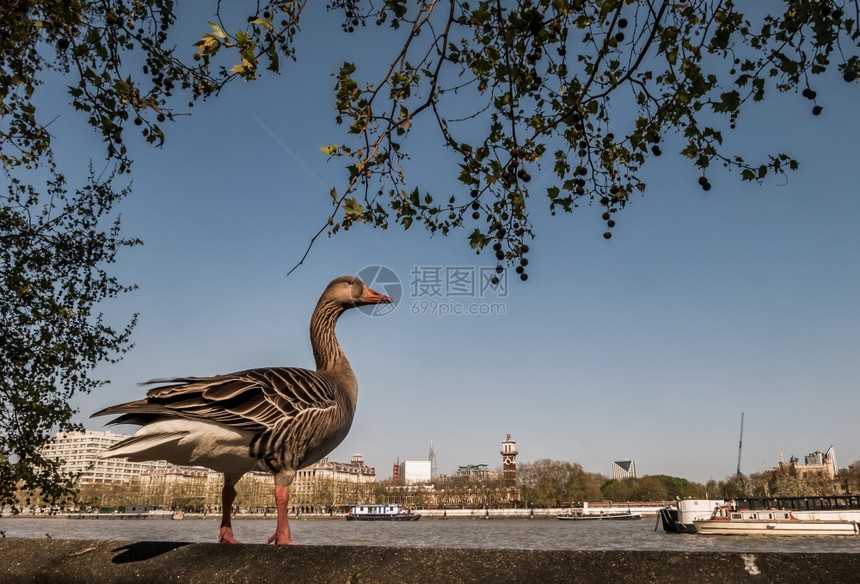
{"points": [[646, 510], [111, 562]]}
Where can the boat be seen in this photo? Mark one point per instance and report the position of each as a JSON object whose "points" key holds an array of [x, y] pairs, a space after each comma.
{"points": [[127, 513], [844, 507], [731, 520], [597, 513], [680, 518], [599, 516], [382, 512]]}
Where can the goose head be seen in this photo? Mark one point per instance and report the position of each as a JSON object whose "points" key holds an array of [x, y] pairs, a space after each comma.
{"points": [[350, 292]]}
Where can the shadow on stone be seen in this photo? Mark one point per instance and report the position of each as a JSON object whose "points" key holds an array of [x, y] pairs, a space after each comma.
{"points": [[144, 550]]}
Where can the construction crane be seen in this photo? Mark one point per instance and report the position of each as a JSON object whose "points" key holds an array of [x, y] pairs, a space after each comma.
{"points": [[741, 444]]}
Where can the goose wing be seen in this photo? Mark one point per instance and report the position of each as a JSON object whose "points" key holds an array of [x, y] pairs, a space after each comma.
{"points": [[254, 400]]}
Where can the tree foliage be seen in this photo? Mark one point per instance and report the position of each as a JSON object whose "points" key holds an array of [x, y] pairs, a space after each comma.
{"points": [[554, 483], [55, 247], [589, 91], [651, 488], [680, 487]]}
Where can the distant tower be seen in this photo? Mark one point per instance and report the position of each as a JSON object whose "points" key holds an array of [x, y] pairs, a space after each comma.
{"points": [[509, 462], [396, 472], [432, 461], [624, 469], [830, 459]]}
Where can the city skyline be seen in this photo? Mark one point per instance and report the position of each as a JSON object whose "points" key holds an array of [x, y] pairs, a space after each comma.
{"points": [[82, 447]]}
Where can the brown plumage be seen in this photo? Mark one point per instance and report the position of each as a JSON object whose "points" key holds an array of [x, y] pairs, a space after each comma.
{"points": [[280, 419]]}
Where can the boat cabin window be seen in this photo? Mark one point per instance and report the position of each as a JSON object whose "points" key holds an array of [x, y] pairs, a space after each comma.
{"points": [[736, 515]]}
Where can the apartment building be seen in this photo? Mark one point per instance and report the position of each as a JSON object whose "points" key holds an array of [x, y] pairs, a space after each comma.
{"points": [[78, 454]]}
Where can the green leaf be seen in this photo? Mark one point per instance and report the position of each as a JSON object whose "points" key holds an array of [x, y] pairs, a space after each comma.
{"points": [[264, 22], [729, 102], [353, 208], [477, 239], [274, 59], [219, 32]]}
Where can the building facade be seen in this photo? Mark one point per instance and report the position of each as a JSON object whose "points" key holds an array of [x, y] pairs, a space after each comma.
{"points": [[476, 472], [415, 471], [816, 463], [624, 469], [432, 458], [329, 485], [322, 486], [78, 454], [188, 487]]}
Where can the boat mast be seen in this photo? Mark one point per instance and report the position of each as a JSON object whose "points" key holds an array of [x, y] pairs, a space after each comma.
{"points": [[740, 444]]}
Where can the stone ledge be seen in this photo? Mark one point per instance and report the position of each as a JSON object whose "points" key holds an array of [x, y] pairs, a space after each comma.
{"points": [[53, 561]]}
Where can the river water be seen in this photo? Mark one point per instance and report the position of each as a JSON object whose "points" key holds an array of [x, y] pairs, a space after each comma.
{"points": [[544, 534]]}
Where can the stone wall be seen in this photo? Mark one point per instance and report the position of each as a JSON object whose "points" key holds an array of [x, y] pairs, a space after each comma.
{"points": [[51, 561]]}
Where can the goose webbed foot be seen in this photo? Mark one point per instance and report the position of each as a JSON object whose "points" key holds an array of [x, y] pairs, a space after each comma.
{"points": [[226, 535], [281, 539]]}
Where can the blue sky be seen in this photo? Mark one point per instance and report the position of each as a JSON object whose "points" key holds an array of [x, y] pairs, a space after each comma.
{"points": [[647, 346]]}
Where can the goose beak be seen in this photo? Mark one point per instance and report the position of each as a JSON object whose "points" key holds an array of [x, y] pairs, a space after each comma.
{"points": [[373, 297]]}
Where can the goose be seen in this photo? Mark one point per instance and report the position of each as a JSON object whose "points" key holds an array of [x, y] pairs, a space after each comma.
{"points": [[277, 419]]}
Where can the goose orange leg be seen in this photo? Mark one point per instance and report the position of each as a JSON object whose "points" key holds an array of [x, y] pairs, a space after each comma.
{"points": [[282, 530], [228, 495]]}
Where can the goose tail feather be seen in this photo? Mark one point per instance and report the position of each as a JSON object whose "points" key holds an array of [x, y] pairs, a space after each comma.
{"points": [[136, 445]]}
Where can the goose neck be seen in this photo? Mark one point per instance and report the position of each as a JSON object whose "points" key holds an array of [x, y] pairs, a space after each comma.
{"points": [[327, 351]]}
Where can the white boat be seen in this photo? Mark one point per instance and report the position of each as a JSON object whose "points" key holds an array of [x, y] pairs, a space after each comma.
{"points": [[728, 520], [829, 514], [600, 516], [383, 512], [128, 513], [609, 510], [680, 518]]}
